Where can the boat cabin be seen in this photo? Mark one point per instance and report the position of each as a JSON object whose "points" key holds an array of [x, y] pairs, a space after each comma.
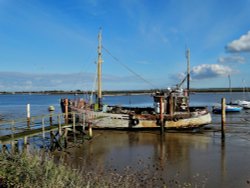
{"points": [[171, 102]]}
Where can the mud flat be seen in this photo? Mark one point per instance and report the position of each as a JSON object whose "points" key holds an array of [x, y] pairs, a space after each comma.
{"points": [[176, 159]]}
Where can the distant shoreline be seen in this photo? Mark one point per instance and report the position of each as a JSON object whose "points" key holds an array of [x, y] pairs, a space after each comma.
{"points": [[124, 92]]}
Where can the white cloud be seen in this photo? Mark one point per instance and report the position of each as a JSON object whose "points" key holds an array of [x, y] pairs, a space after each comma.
{"points": [[16, 81], [240, 45], [210, 71], [232, 59]]}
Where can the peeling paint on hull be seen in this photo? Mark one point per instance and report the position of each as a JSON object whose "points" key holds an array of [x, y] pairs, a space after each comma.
{"points": [[119, 121]]}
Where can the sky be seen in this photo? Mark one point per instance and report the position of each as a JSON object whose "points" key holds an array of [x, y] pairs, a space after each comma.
{"points": [[52, 44]]}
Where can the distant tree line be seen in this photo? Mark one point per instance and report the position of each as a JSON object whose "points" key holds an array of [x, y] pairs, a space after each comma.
{"points": [[124, 92]]}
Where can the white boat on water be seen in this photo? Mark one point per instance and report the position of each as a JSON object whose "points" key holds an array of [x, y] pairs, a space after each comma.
{"points": [[171, 109], [243, 103], [229, 108]]}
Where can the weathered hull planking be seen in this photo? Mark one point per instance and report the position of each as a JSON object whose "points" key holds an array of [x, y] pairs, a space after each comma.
{"points": [[104, 120]]}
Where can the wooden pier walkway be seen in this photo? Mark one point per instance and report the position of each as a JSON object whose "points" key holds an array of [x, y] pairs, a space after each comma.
{"points": [[58, 125]]}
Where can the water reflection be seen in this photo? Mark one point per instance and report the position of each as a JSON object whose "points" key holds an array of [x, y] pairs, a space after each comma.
{"points": [[199, 158], [148, 152], [223, 162]]}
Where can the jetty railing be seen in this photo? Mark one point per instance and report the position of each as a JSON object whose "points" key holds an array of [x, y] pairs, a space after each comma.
{"points": [[58, 125]]}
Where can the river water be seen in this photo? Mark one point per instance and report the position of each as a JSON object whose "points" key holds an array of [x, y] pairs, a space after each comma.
{"points": [[177, 159]]}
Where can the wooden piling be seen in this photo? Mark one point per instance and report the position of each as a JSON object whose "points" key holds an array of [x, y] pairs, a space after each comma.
{"points": [[66, 104], [171, 105], [59, 130], [51, 119], [59, 125], [161, 115], [83, 126], [90, 131], [52, 136], [223, 117], [12, 129], [74, 126], [43, 128], [28, 115], [13, 146], [25, 140], [25, 144], [89, 121]]}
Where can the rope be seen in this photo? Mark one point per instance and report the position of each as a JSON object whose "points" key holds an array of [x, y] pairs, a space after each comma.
{"points": [[130, 70]]}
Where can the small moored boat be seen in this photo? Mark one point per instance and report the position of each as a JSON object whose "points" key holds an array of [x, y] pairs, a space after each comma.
{"points": [[229, 109]]}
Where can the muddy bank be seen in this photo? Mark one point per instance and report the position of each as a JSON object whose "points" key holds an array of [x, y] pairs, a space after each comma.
{"points": [[197, 159]]}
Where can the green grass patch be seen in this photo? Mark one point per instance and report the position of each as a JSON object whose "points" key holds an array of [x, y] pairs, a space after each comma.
{"points": [[21, 170]]}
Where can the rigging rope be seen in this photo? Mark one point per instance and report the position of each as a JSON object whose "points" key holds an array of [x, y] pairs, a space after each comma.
{"points": [[130, 70]]}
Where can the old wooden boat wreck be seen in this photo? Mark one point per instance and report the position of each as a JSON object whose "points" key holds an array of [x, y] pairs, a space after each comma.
{"points": [[171, 109]]}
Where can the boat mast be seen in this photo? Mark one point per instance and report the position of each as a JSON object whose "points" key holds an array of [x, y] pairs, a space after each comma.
{"points": [[99, 69], [188, 70]]}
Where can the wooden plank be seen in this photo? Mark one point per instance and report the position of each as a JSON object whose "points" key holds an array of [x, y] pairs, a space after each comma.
{"points": [[8, 138]]}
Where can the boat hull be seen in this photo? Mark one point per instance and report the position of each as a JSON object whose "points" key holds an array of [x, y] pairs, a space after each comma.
{"points": [[228, 109], [101, 120]]}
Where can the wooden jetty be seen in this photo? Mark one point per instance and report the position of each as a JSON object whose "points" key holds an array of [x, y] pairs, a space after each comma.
{"points": [[59, 126]]}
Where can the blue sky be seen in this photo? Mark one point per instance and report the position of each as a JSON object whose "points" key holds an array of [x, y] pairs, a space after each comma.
{"points": [[52, 44]]}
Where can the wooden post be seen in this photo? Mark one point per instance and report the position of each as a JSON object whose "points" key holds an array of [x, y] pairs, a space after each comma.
{"points": [[83, 126], [43, 131], [25, 140], [25, 144], [74, 126], [12, 146], [90, 131], [12, 131], [52, 137], [59, 125], [66, 104], [51, 119], [161, 115], [223, 117], [59, 130], [28, 115], [43, 128], [65, 136], [83, 121], [171, 105], [16, 148]]}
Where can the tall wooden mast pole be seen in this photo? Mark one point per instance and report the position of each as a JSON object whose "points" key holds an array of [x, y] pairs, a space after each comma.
{"points": [[99, 69], [188, 70]]}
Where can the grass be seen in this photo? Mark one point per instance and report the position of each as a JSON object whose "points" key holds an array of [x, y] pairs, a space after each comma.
{"points": [[21, 170]]}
